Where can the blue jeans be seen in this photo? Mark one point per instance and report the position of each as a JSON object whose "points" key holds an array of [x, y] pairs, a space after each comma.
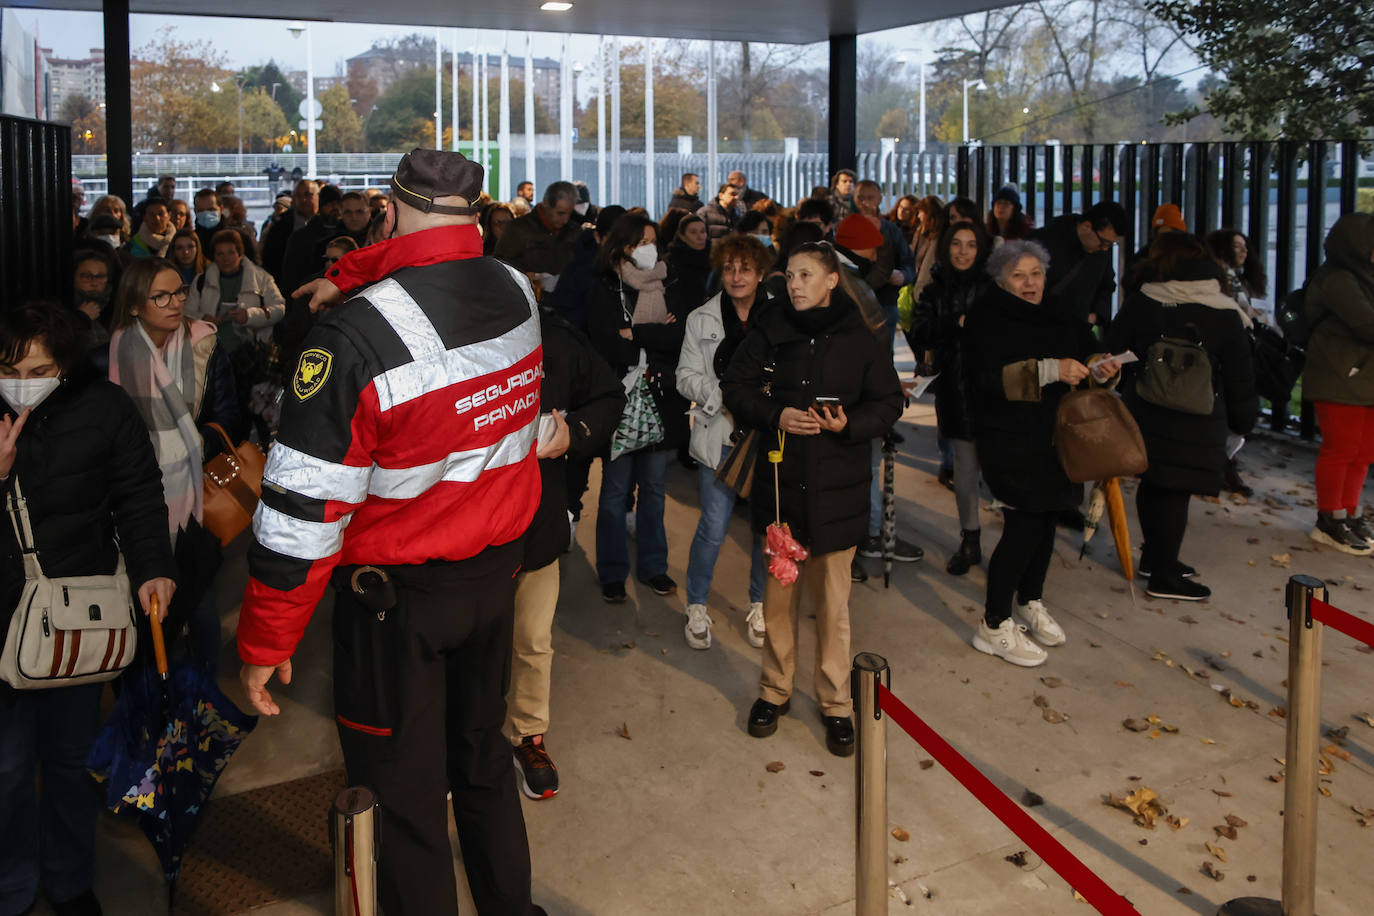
{"points": [[644, 469], [717, 502], [47, 840]]}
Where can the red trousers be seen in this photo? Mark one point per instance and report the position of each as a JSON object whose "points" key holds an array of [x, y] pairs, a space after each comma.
{"points": [[1346, 453]]}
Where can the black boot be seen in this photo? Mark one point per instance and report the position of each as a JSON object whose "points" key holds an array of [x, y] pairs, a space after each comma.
{"points": [[969, 554], [1232, 481]]}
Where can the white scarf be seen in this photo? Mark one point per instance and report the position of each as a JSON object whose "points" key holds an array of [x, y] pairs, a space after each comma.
{"points": [[1202, 292]]}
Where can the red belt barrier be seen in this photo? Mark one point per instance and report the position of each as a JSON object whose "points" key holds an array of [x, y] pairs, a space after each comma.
{"points": [[1347, 623], [1082, 879]]}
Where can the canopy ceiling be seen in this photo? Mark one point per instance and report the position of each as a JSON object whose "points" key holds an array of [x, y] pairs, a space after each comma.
{"points": [[792, 21]]}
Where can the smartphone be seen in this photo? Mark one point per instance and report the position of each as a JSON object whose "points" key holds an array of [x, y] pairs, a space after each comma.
{"points": [[821, 403]]}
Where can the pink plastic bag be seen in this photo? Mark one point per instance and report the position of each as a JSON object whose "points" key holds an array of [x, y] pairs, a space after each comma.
{"points": [[785, 552]]}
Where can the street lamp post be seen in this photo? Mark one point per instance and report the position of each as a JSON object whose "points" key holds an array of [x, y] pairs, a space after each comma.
{"points": [[296, 29], [981, 87], [238, 84], [903, 59]]}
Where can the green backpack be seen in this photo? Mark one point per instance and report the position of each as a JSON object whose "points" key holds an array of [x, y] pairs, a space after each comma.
{"points": [[1177, 374]]}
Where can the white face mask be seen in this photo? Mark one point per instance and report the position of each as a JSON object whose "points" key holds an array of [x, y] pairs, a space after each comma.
{"points": [[766, 240], [645, 257], [111, 240], [21, 393]]}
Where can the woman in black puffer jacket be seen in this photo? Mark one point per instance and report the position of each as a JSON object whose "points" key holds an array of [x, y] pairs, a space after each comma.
{"points": [[1026, 354], [1181, 297], [84, 464], [958, 280], [816, 344]]}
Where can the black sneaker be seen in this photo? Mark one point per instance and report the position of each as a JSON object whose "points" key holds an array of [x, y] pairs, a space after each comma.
{"points": [[1363, 527], [945, 478], [763, 717], [839, 735], [661, 584], [857, 573], [1177, 588], [538, 775], [902, 551], [1144, 571], [613, 592], [1338, 533], [1232, 482]]}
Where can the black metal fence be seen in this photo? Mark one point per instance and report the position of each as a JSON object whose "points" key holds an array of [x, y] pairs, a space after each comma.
{"points": [[35, 210], [1283, 195]]}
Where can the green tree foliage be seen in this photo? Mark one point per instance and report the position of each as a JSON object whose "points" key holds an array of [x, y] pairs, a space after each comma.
{"points": [[403, 116], [87, 120], [679, 103], [270, 78], [174, 108], [343, 129], [263, 121], [1295, 70]]}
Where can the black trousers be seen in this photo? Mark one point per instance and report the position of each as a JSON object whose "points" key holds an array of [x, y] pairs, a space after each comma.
{"points": [[1163, 520], [420, 700], [1019, 562]]}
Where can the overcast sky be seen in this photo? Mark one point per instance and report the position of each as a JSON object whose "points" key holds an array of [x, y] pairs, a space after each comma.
{"points": [[254, 41]]}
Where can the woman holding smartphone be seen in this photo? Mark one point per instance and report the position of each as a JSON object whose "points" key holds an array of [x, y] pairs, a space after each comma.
{"points": [[814, 379]]}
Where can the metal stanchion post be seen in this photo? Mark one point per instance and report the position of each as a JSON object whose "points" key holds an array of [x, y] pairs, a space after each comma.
{"points": [[352, 829], [870, 873], [1300, 786]]}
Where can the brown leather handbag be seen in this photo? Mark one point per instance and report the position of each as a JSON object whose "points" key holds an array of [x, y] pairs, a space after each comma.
{"points": [[1097, 438], [233, 484]]}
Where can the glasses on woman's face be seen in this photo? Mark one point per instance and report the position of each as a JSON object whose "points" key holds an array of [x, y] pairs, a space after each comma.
{"points": [[162, 298]]}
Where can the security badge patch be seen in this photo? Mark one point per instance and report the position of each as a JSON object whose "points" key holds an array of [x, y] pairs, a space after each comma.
{"points": [[311, 372]]}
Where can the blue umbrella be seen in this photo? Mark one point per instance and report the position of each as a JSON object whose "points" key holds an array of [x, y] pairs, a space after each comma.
{"points": [[168, 739]]}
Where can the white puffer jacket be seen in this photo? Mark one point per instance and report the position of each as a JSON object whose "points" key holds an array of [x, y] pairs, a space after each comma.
{"points": [[697, 381], [258, 295]]}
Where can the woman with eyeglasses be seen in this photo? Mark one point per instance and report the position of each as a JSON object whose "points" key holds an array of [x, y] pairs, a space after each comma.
{"points": [[180, 379]]}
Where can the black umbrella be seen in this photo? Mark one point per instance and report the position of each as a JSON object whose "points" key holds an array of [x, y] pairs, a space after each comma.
{"points": [[889, 506]]}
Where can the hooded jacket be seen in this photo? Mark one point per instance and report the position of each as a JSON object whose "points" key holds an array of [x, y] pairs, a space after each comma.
{"points": [[937, 323], [1340, 310]]}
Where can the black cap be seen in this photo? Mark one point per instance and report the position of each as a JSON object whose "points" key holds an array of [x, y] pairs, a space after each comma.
{"points": [[330, 194], [425, 174]]}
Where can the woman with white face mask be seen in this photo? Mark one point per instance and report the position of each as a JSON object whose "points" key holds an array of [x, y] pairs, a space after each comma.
{"points": [[74, 446], [634, 310]]}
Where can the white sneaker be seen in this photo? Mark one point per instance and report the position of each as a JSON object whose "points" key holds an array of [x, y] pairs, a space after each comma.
{"points": [[630, 523], [753, 625], [572, 528], [698, 628], [1041, 625], [1008, 642]]}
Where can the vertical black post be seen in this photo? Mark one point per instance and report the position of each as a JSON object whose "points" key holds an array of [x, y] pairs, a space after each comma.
{"points": [[1086, 169], [961, 171], [1067, 189], [1173, 175], [1286, 228], [844, 102], [1029, 192], [1049, 185], [119, 129], [1129, 154], [1149, 184], [999, 166], [1257, 181], [1107, 168], [980, 193], [1316, 231], [1350, 164], [1204, 185], [1231, 185]]}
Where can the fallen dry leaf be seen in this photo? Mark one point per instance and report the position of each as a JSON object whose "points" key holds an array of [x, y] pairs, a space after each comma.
{"points": [[1366, 718], [1220, 794], [1252, 540], [1212, 871], [1276, 777], [1135, 725], [1336, 752], [927, 764], [1124, 684], [1176, 822], [1155, 734], [1017, 858], [1054, 716], [1216, 851], [1041, 701], [1279, 712], [625, 730], [1362, 812], [817, 772], [1339, 735], [1207, 741], [1225, 830], [1032, 800], [1236, 821], [777, 766], [1324, 791], [1051, 682], [900, 835], [1143, 803], [1282, 560]]}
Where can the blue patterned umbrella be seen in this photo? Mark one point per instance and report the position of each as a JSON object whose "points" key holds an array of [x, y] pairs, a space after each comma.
{"points": [[162, 751]]}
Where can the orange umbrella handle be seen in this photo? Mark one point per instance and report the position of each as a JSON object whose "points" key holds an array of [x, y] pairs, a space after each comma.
{"points": [[1121, 533], [159, 647]]}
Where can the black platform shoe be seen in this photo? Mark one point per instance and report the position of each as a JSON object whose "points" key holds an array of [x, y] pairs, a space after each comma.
{"points": [[969, 554], [839, 735], [763, 717]]}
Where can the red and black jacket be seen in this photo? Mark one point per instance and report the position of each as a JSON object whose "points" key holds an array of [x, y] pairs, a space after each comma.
{"points": [[407, 430]]}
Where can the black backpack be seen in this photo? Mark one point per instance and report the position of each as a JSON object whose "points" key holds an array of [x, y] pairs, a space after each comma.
{"points": [[1291, 315]]}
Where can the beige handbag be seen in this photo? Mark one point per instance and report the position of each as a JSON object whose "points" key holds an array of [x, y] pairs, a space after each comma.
{"points": [[72, 630]]}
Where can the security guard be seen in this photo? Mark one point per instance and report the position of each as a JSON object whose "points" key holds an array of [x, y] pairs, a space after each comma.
{"points": [[405, 476]]}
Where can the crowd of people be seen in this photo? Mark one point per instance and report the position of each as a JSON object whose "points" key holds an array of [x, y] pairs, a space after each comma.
{"points": [[750, 340]]}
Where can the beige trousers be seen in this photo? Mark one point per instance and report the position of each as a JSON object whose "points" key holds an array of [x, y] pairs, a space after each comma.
{"points": [[527, 700], [826, 577]]}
